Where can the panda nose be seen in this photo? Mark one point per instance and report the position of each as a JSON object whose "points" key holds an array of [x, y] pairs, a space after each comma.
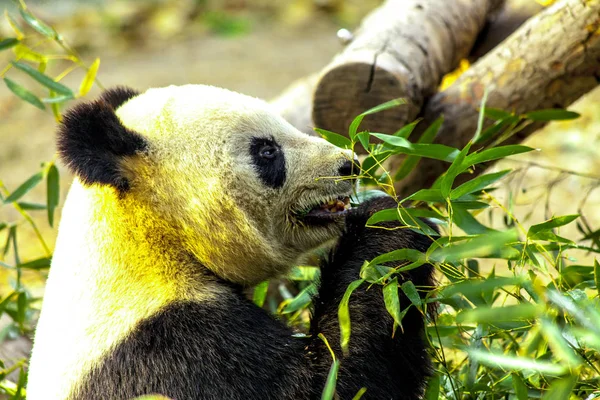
{"points": [[347, 168]]}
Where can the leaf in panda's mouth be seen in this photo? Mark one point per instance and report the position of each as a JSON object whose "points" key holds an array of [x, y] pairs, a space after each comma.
{"points": [[327, 211]]}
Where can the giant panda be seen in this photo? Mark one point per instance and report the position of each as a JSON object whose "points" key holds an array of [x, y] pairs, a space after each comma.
{"points": [[183, 197]]}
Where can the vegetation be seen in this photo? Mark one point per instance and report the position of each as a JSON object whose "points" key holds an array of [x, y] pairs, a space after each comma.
{"points": [[518, 314]]}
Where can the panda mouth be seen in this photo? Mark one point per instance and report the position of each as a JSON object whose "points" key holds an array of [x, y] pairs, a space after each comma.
{"points": [[327, 211]]}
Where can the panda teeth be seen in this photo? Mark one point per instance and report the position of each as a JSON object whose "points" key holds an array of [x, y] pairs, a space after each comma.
{"points": [[336, 205]]}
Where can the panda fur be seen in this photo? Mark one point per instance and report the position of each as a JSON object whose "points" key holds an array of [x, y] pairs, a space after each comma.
{"points": [[183, 197]]}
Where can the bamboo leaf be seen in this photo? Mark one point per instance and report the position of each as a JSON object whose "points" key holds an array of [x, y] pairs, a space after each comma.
{"points": [[407, 129], [24, 94], [302, 300], [382, 107], [496, 113], [411, 161], [597, 275], [433, 388], [456, 168], [561, 389], [344, 315], [24, 188], [38, 25], [43, 79], [495, 154], [551, 114], [392, 303], [477, 184], [519, 387], [52, 192], [334, 138], [411, 292], [391, 139], [8, 43], [481, 116], [360, 393], [551, 224], [329, 390], [516, 363], [491, 315], [40, 263], [487, 245], [363, 138], [90, 77], [260, 293]]}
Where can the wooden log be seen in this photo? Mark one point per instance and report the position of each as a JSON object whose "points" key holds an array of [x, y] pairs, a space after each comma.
{"points": [[502, 24], [402, 49], [550, 62]]}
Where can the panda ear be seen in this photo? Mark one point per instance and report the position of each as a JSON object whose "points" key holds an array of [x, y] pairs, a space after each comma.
{"points": [[92, 141]]}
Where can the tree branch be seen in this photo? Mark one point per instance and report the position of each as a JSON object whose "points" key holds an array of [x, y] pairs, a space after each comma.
{"points": [[551, 61], [402, 49]]}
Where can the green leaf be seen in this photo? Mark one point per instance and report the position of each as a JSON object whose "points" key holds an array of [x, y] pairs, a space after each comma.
{"points": [[561, 389], [433, 388], [24, 188], [21, 307], [455, 169], [391, 139], [329, 390], [57, 99], [40, 263], [411, 292], [428, 195], [406, 130], [24, 94], [477, 184], [491, 131], [551, 224], [408, 216], [560, 347], [31, 206], [260, 293], [392, 303], [344, 315], [492, 244], [38, 25], [496, 113], [360, 393], [302, 300], [43, 79], [8, 43], [516, 363], [334, 138], [492, 315], [52, 192], [597, 275], [304, 273], [90, 77], [372, 163], [382, 107], [411, 161], [471, 287], [481, 116], [551, 114], [363, 138], [495, 154], [519, 387], [465, 221]]}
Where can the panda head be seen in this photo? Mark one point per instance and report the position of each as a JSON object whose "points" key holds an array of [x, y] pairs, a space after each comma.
{"points": [[217, 174]]}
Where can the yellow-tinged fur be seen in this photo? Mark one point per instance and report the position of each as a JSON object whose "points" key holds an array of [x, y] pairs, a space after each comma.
{"points": [[195, 202]]}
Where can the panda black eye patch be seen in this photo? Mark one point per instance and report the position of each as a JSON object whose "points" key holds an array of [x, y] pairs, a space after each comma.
{"points": [[269, 161]]}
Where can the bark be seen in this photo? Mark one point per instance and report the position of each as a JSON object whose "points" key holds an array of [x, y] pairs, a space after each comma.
{"points": [[551, 61], [502, 23], [402, 49]]}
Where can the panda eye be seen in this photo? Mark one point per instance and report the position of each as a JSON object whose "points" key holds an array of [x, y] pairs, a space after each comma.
{"points": [[268, 152]]}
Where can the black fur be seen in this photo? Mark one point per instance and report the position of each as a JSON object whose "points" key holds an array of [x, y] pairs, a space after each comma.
{"points": [[92, 140], [231, 349], [270, 169]]}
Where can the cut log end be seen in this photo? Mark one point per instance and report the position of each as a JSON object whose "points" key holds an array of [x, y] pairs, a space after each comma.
{"points": [[350, 89]]}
